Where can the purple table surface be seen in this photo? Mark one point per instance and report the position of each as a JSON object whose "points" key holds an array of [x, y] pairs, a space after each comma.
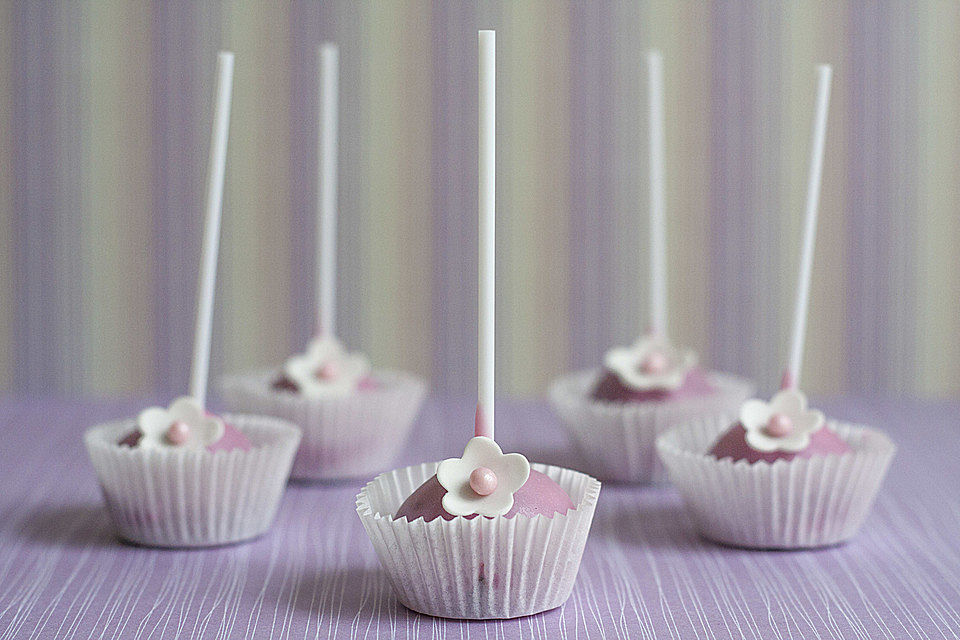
{"points": [[645, 574]]}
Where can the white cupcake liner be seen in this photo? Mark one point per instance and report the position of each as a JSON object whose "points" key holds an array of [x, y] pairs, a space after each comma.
{"points": [[178, 498], [617, 440], [349, 436], [796, 504], [478, 568]]}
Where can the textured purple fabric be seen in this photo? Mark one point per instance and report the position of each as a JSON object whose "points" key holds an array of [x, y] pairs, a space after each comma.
{"points": [[645, 574]]}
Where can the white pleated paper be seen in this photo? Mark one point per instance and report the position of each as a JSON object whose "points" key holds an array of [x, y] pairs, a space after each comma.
{"points": [[479, 568], [351, 436], [179, 498], [801, 503], [618, 439]]}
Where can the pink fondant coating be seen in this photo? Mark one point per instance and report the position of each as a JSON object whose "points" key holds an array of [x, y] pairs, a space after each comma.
{"points": [[483, 481], [231, 439], [733, 444], [539, 495], [611, 389]]}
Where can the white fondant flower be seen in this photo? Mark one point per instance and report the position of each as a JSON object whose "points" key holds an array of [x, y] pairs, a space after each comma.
{"points": [[326, 369], [183, 424], [651, 363], [483, 481], [783, 424]]}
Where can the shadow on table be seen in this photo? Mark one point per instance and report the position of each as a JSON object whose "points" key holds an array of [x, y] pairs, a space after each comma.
{"points": [[658, 526], [83, 525]]}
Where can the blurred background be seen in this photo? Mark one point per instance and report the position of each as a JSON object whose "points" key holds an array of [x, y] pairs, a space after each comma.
{"points": [[105, 111]]}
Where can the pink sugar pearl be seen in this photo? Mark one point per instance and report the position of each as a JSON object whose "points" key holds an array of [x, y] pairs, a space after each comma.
{"points": [[779, 426], [328, 371], [178, 433], [655, 362], [483, 481]]}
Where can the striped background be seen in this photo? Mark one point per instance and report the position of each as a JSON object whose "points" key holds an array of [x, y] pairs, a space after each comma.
{"points": [[104, 120]]}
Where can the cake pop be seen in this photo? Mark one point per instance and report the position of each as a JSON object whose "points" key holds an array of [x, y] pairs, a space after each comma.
{"points": [[616, 413], [779, 474], [181, 476], [486, 535], [344, 407]]}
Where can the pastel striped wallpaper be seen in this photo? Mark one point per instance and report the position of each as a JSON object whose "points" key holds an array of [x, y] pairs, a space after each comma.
{"points": [[104, 123]]}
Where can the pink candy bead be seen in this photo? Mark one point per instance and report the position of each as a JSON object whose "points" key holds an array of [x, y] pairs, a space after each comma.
{"points": [[178, 433], [779, 426], [483, 481], [655, 362], [328, 371]]}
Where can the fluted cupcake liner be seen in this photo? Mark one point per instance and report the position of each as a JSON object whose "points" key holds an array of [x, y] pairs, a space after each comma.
{"points": [[178, 498], [478, 568], [350, 436], [800, 503], [617, 440]]}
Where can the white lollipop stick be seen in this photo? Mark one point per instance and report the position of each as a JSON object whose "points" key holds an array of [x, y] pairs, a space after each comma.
{"points": [[487, 236], [211, 230], [791, 377], [658, 251], [327, 191]]}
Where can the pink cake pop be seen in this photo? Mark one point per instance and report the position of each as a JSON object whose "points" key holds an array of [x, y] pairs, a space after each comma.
{"points": [[326, 369], [779, 475], [507, 486], [161, 483], [615, 414], [537, 495], [784, 428], [355, 419], [522, 556], [610, 388], [653, 369], [184, 424]]}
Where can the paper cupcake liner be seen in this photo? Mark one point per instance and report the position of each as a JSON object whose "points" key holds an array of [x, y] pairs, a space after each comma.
{"points": [[178, 498], [479, 568], [800, 503], [352, 436], [617, 440]]}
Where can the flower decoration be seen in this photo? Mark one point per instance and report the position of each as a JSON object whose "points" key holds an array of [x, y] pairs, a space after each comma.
{"points": [[483, 481], [783, 424], [652, 363], [326, 369], [183, 424]]}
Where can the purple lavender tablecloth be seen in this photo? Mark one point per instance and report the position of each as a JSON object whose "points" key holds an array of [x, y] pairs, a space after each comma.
{"points": [[63, 574]]}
